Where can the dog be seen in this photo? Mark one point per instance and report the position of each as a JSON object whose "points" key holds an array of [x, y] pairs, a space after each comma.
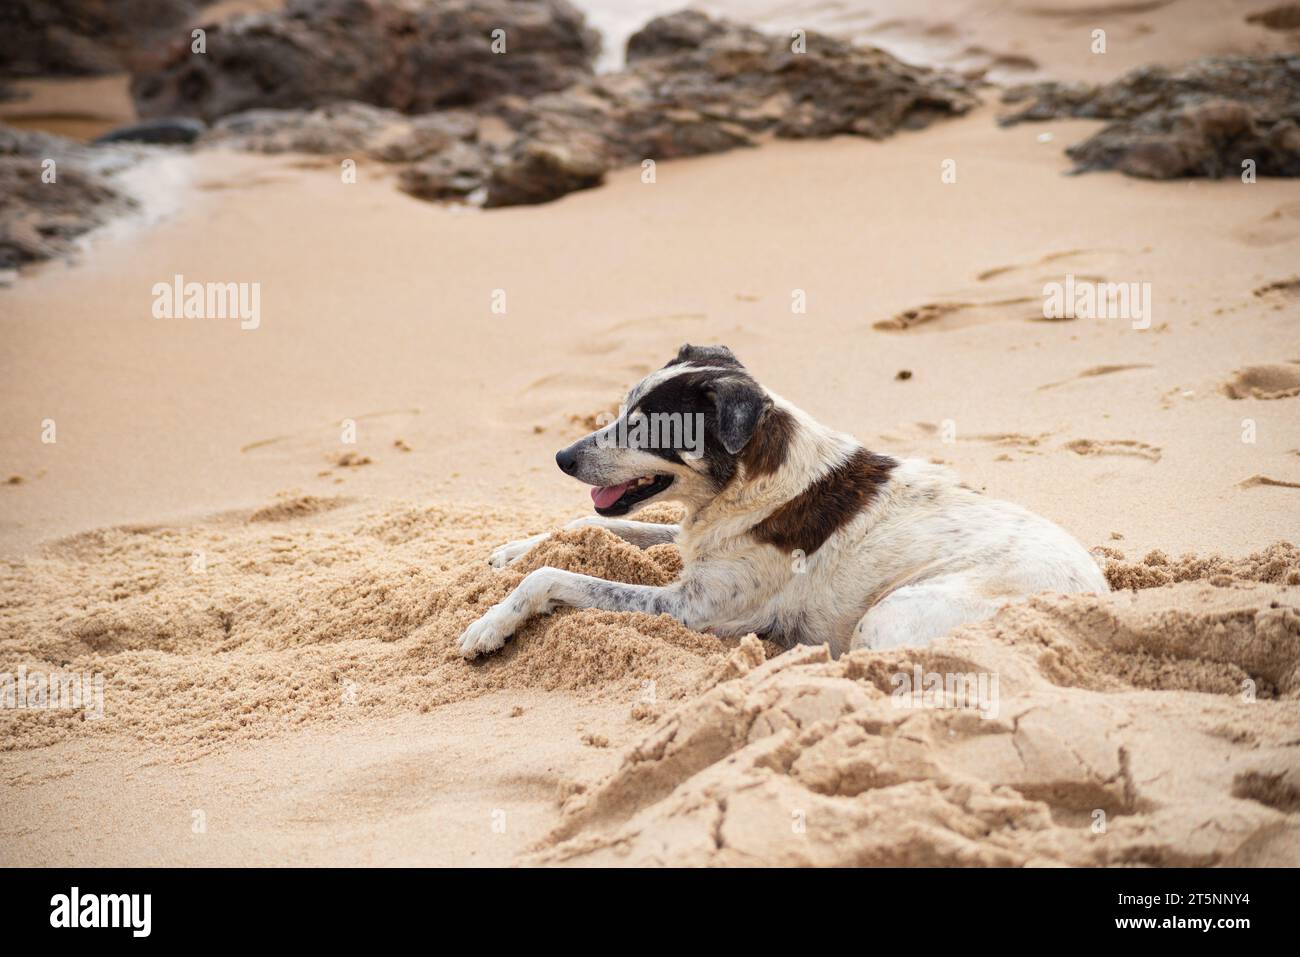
{"points": [[792, 530]]}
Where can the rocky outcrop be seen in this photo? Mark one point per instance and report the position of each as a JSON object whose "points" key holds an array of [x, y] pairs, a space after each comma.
{"points": [[84, 37], [409, 57], [1206, 119], [171, 131], [52, 191], [417, 87], [693, 85]]}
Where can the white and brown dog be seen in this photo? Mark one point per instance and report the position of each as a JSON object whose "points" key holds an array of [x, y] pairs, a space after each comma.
{"points": [[792, 530]]}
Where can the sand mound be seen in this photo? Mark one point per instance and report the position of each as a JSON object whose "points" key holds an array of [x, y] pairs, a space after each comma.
{"points": [[1069, 729], [1264, 382], [1067, 758], [1278, 564], [311, 610]]}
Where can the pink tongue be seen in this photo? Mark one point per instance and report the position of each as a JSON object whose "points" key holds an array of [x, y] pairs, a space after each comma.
{"points": [[607, 495]]}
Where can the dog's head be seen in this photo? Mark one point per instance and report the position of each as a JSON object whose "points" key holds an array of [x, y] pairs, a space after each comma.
{"points": [[683, 433]]}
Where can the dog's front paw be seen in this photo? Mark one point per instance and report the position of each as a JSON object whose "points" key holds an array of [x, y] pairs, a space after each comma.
{"points": [[511, 552], [486, 635]]}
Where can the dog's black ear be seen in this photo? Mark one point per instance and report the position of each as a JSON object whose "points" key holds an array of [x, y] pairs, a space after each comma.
{"points": [[706, 355], [741, 405]]}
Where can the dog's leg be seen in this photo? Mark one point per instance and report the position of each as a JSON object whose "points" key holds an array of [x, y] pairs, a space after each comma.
{"points": [[640, 534], [544, 590], [915, 615]]}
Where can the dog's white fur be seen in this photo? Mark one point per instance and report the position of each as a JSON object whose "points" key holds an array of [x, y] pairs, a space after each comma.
{"points": [[925, 555]]}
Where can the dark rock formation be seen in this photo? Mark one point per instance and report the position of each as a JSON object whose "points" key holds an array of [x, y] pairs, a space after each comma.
{"points": [[85, 37], [408, 57], [1285, 17], [492, 130], [39, 219], [1203, 120], [693, 86], [168, 132]]}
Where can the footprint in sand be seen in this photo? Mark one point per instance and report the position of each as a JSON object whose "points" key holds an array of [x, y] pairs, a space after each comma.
{"points": [[246, 182], [577, 382], [627, 334], [583, 424], [1257, 480], [1282, 225], [289, 507], [1049, 266], [307, 445], [1020, 441], [549, 401], [1273, 381], [1005, 292], [942, 316], [1096, 371], [1282, 290], [1118, 447]]}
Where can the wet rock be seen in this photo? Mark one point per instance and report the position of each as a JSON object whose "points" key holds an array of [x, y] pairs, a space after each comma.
{"points": [[541, 170], [84, 37], [341, 129], [724, 72], [456, 172], [170, 131], [682, 32], [41, 219], [694, 86], [1203, 120], [1212, 139], [425, 136], [409, 57]]}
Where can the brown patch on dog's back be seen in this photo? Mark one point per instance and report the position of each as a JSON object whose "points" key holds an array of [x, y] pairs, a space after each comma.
{"points": [[812, 516], [766, 451]]}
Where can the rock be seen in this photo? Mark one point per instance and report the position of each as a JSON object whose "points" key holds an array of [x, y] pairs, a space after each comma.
{"points": [[1211, 139], [424, 136], [728, 73], [342, 129], [84, 37], [681, 32], [41, 220], [408, 57], [694, 86], [170, 131], [541, 170], [1203, 120], [457, 172]]}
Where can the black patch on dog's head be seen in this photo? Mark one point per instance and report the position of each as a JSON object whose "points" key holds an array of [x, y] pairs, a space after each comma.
{"points": [[732, 404], [705, 356]]}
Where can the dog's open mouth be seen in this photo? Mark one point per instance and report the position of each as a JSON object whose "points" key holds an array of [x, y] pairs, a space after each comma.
{"points": [[619, 499]]}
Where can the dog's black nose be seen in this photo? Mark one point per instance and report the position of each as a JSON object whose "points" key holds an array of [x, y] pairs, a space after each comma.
{"points": [[567, 460]]}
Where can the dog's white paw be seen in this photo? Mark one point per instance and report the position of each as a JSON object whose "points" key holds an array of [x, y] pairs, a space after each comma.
{"points": [[511, 552], [487, 634]]}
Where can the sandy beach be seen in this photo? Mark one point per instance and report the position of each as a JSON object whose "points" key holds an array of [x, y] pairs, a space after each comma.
{"points": [[274, 608]]}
